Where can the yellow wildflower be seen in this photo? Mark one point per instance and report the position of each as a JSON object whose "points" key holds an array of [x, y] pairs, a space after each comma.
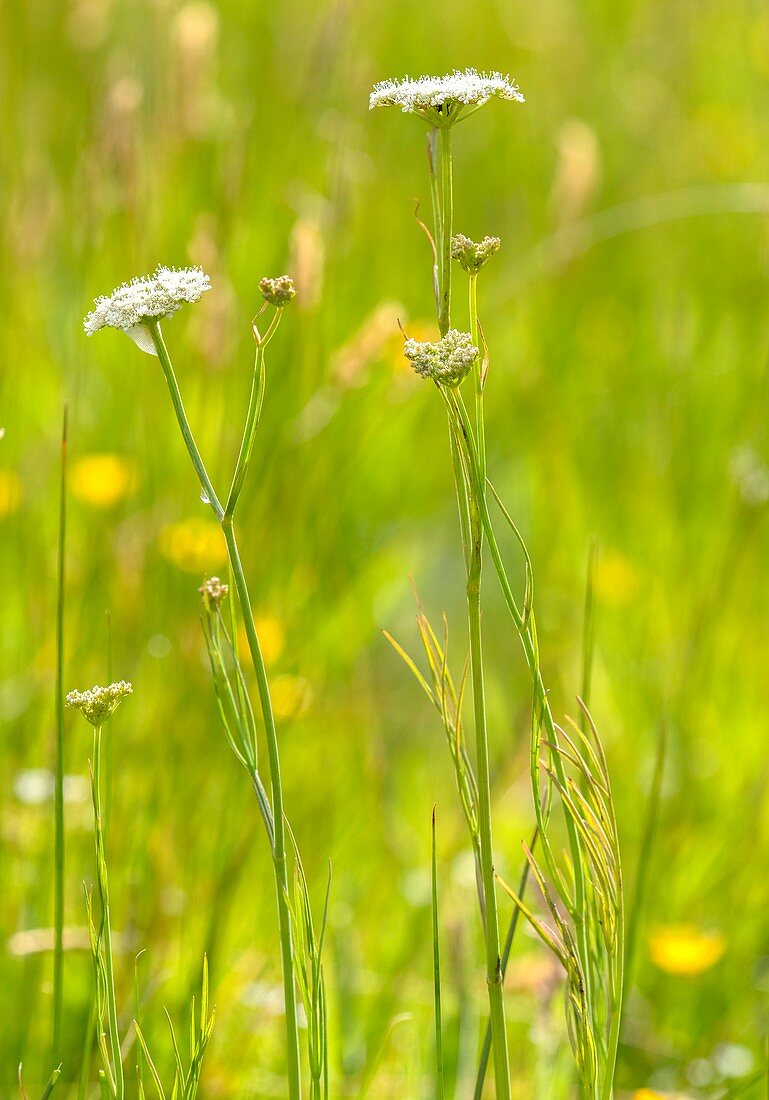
{"points": [[194, 545], [101, 479], [10, 492], [685, 949], [647, 1094]]}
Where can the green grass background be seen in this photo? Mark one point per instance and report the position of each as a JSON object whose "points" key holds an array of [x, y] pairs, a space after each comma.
{"points": [[628, 364]]}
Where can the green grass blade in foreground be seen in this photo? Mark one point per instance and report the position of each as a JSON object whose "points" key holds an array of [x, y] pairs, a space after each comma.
{"points": [[440, 1089], [483, 1062], [58, 797]]}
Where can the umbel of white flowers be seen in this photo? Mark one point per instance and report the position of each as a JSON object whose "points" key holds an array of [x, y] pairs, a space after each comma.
{"points": [[442, 100], [97, 704], [472, 255], [129, 307], [447, 361]]}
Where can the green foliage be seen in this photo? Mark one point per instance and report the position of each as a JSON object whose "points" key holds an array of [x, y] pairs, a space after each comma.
{"points": [[626, 317], [186, 1081]]}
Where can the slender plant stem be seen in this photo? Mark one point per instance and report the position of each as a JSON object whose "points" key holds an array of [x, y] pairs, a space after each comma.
{"points": [[447, 222], [58, 794], [440, 1089], [472, 539], [480, 428], [279, 843], [493, 957], [103, 884], [181, 418], [279, 838], [617, 998], [483, 1061], [527, 633], [435, 196], [494, 971]]}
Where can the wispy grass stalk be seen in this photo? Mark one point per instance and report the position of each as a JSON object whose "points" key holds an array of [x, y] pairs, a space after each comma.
{"points": [[58, 795], [440, 1086]]}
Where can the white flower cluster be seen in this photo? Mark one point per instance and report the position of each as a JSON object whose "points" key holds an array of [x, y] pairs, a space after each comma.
{"points": [[472, 255], [97, 704], [468, 88], [131, 305], [448, 361]]}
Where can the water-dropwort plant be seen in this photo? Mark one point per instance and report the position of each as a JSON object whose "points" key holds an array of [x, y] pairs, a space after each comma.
{"points": [[589, 890], [137, 308], [97, 706]]}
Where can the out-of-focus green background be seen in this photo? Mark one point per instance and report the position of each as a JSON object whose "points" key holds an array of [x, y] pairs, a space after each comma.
{"points": [[627, 401]]}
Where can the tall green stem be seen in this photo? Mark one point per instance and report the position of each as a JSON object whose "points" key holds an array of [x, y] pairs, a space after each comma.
{"points": [[440, 1088], [103, 884], [181, 419], [478, 380], [255, 402], [472, 536], [494, 977], [279, 841], [526, 630], [226, 519], [447, 223], [58, 797]]}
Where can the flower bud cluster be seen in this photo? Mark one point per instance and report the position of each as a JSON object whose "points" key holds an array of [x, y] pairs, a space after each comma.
{"points": [[447, 361]]}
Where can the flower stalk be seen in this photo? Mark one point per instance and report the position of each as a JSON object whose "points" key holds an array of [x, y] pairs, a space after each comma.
{"points": [[118, 1079], [226, 517], [472, 535]]}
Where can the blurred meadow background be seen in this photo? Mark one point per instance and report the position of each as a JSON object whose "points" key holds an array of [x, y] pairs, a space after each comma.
{"points": [[627, 402]]}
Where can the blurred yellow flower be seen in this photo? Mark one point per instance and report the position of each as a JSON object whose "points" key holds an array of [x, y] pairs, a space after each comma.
{"points": [[194, 545], [101, 479], [291, 696], [10, 492], [685, 949], [647, 1094], [272, 638], [616, 580]]}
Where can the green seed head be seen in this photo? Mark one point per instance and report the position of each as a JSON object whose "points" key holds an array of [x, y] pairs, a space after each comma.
{"points": [[278, 291]]}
